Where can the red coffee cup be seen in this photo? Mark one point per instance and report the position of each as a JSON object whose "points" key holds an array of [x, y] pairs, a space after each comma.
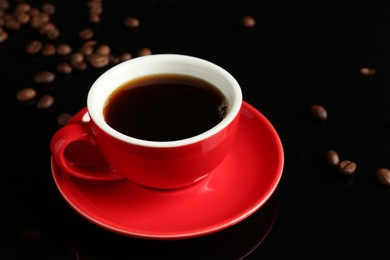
{"points": [[154, 164]]}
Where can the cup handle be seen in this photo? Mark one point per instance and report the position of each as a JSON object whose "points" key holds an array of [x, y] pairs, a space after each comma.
{"points": [[71, 134]]}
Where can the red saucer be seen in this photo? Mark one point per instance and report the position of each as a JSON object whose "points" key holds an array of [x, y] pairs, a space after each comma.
{"points": [[240, 186]]}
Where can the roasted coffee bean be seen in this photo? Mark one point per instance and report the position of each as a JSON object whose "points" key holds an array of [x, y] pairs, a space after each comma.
{"points": [[76, 57], [53, 34], [26, 94], [86, 50], [3, 35], [49, 50], [318, 112], [33, 47], [48, 8], [332, 158], [248, 21], [86, 34], [64, 49], [34, 11], [347, 167], [144, 52], [4, 4], [103, 50], [64, 68], [22, 7], [44, 77], [79, 65], [94, 18], [12, 24], [39, 20], [131, 22], [99, 61], [23, 18], [47, 28], [367, 71], [383, 176], [125, 56], [45, 102], [63, 118]]}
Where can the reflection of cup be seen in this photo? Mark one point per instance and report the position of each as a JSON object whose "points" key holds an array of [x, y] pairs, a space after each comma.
{"points": [[157, 164], [88, 241]]}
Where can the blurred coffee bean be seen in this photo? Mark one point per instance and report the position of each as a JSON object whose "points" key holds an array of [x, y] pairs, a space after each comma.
{"points": [[79, 65], [86, 34], [39, 20], [26, 94], [103, 50], [4, 4], [45, 102], [383, 176], [332, 158], [63, 118], [44, 77], [64, 49], [33, 47], [248, 21], [48, 8], [366, 71], [99, 61], [131, 22], [3, 35], [318, 112], [23, 18], [86, 50], [347, 167], [49, 49], [125, 56], [12, 24], [144, 52], [22, 7], [76, 57], [64, 68]]}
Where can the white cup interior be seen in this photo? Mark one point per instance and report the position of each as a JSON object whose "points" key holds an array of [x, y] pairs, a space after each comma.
{"points": [[162, 64]]}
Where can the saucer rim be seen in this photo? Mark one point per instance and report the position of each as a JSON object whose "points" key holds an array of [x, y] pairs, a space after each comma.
{"points": [[268, 191]]}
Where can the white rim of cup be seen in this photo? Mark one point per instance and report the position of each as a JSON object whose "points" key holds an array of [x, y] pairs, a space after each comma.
{"points": [[95, 99]]}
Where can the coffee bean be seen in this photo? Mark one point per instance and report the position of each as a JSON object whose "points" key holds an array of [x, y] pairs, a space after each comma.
{"points": [[383, 176], [103, 50], [12, 24], [64, 49], [26, 94], [4, 4], [125, 56], [318, 112], [347, 167], [63, 118], [94, 18], [248, 21], [33, 47], [45, 102], [49, 50], [76, 57], [3, 35], [144, 52], [99, 61], [131, 22], [79, 65], [64, 68], [23, 18], [44, 77], [48, 8], [22, 7], [47, 28], [39, 20], [365, 71], [86, 34], [86, 50], [332, 158]]}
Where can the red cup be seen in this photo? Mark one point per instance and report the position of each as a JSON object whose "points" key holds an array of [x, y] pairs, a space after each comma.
{"points": [[154, 164]]}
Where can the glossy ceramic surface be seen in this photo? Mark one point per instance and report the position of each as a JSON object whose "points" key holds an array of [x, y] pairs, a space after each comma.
{"points": [[235, 190]]}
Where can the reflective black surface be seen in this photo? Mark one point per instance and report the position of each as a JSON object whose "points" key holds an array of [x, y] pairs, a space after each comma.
{"points": [[299, 53]]}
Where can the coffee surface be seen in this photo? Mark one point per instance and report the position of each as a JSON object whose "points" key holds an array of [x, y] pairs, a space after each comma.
{"points": [[165, 107]]}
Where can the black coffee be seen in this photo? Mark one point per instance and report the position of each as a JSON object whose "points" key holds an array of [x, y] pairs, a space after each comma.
{"points": [[165, 107]]}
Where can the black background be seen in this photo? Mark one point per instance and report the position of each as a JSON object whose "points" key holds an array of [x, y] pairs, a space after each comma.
{"points": [[300, 53]]}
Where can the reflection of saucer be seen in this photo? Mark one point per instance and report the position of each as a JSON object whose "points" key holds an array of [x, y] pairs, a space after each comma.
{"points": [[241, 185], [87, 241]]}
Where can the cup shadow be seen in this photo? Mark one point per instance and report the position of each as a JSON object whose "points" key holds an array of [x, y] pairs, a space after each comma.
{"points": [[86, 241]]}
